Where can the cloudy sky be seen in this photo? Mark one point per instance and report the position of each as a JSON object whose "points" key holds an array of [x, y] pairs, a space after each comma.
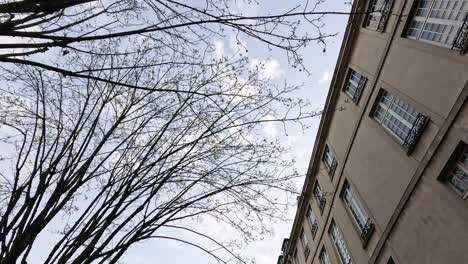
{"points": [[314, 88]]}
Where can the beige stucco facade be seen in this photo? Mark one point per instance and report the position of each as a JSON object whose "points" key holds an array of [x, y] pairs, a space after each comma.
{"points": [[416, 216]]}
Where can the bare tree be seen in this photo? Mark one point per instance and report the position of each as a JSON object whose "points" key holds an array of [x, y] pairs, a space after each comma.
{"points": [[117, 165], [118, 122], [51, 34]]}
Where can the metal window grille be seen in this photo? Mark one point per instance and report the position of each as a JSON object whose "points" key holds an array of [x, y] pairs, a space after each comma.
{"points": [[401, 119], [379, 11], [324, 259], [330, 161], [355, 85], [458, 177], [442, 23], [340, 244]]}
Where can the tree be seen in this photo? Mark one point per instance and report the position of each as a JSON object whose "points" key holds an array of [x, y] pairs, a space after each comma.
{"points": [[50, 34], [120, 119], [124, 163]]}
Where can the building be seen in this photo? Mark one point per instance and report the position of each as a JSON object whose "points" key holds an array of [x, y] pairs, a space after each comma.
{"points": [[388, 177]]}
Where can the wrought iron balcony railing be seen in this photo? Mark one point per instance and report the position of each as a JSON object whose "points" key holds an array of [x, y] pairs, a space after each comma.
{"points": [[359, 89], [322, 201], [461, 40], [366, 232], [331, 168], [415, 133], [314, 229], [385, 14]]}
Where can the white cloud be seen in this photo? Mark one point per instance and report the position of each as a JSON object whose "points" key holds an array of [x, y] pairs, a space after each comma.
{"points": [[268, 69], [326, 77], [218, 49]]}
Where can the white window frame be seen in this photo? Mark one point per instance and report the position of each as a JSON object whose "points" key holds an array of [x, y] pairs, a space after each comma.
{"points": [[340, 244], [305, 243], [324, 258], [353, 83], [374, 16], [354, 204], [385, 111], [329, 160], [319, 195], [312, 219], [436, 30]]}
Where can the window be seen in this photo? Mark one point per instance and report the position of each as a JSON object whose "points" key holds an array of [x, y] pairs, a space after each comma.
{"points": [[456, 171], [340, 245], [319, 196], [379, 11], [360, 216], [330, 161], [401, 119], [440, 22], [390, 261], [324, 259], [295, 260], [305, 243], [312, 221], [355, 85]]}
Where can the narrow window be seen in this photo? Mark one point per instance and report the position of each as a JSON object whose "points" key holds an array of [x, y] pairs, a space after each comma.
{"points": [[319, 196], [312, 221], [443, 23], [305, 243], [324, 259], [360, 216], [355, 85], [390, 261], [456, 171], [401, 119], [379, 11], [330, 161], [340, 244]]}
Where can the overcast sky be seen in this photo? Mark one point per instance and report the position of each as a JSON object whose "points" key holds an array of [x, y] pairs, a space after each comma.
{"points": [[315, 87]]}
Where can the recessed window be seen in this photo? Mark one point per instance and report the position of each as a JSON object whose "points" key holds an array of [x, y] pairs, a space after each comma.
{"points": [[305, 243], [358, 212], [355, 85], [340, 244], [443, 23], [324, 259], [319, 196], [312, 219], [456, 171], [401, 119], [330, 161], [379, 11], [390, 261]]}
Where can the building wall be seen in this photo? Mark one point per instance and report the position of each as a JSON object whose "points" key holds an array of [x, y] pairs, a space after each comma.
{"points": [[418, 218]]}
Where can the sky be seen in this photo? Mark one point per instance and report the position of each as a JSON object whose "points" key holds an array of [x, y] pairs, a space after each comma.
{"points": [[314, 88]]}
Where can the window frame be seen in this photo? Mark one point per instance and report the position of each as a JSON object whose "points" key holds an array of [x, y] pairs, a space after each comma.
{"points": [[323, 253], [359, 84], [416, 128], [319, 197], [313, 224], [454, 163], [329, 157], [305, 243], [334, 226], [383, 16], [460, 40], [365, 229]]}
